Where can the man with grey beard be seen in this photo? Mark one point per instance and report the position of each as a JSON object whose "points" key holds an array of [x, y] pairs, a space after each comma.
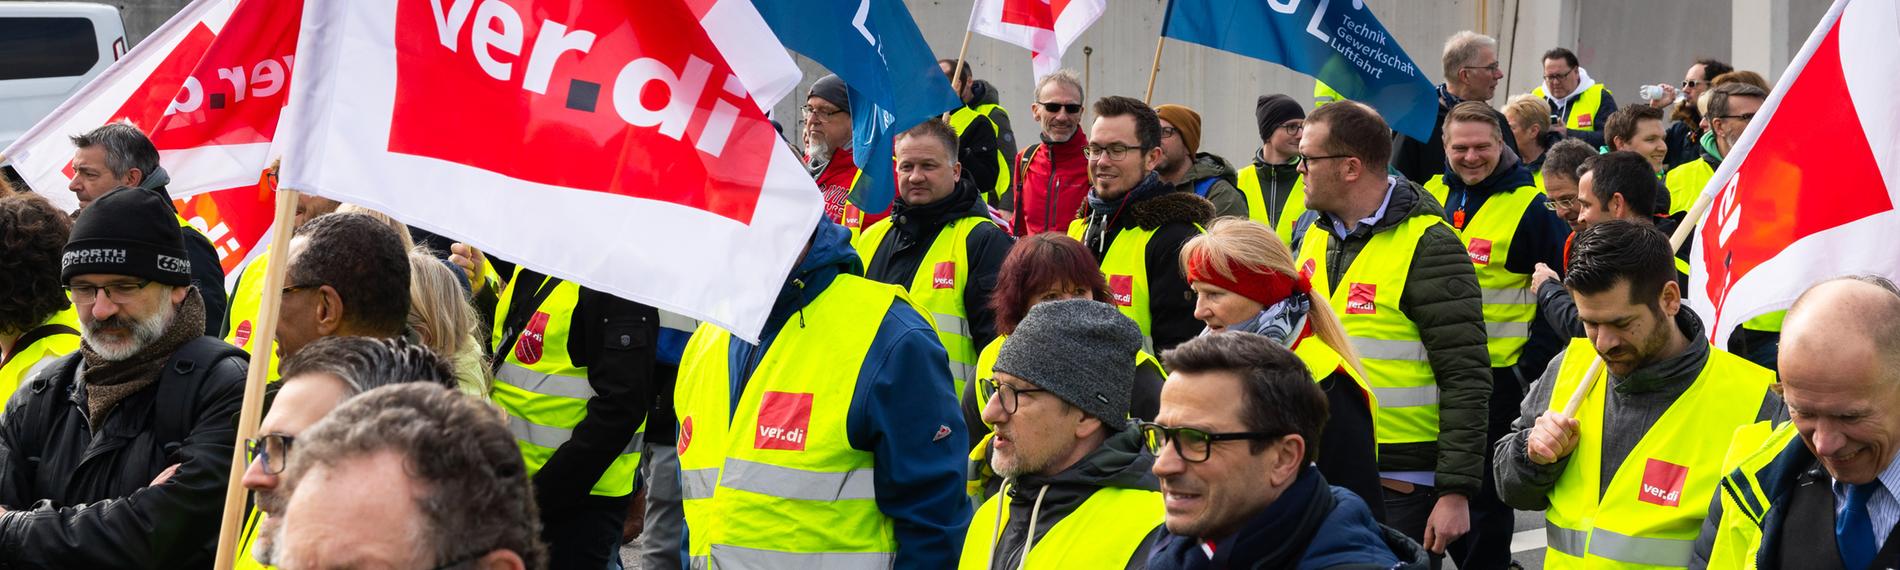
{"points": [[116, 456]]}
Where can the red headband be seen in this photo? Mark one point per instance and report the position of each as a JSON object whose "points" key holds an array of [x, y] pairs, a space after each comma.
{"points": [[1262, 286]]}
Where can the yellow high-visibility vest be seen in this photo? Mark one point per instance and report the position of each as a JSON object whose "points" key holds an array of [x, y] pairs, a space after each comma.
{"points": [[1744, 502], [1103, 532], [244, 308], [1509, 303], [938, 285], [1583, 110], [966, 116], [1249, 185], [30, 359]]}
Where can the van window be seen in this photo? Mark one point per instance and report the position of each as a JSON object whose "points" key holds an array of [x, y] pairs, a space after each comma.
{"points": [[46, 47]]}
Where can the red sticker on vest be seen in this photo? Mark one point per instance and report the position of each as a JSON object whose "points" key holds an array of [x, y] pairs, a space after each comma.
{"points": [[243, 335], [1480, 251], [1585, 120], [784, 418], [528, 347], [945, 276], [1307, 269], [1662, 483], [1362, 299], [1122, 289], [686, 434]]}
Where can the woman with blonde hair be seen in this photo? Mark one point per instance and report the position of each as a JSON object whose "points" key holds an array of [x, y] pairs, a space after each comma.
{"points": [[440, 313], [1244, 282]]}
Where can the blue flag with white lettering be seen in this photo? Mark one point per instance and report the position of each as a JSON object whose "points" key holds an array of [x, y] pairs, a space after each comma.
{"points": [[875, 47], [1337, 41]]}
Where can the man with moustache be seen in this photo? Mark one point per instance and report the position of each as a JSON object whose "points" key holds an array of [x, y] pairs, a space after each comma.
{"points": [[827, 142], [1077, 490], [1051, 176], [1626, 481], [85, 445]]}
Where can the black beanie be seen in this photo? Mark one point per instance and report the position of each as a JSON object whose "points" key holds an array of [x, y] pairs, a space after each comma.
{"points": [[129, 231], [832, 90], [1271, 110]]}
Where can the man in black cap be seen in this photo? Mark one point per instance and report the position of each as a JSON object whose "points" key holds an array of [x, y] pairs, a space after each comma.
{"points": [[827, 142], [1078, 492], [116, 456], [1272, 185], [118, 154]]}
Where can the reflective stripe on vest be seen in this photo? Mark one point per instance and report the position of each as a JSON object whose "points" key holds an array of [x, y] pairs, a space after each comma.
{"points": [[1367, 302], [244, 305], [962, 119], [782, 458], [1509, 304], [1323, 94], [1103, 532], [1655, 503], [1685, 183], [29, 360], [1583, 109], [1126, 269], [1249, 184], [543, 391], [938, 285], [1744, 504]]}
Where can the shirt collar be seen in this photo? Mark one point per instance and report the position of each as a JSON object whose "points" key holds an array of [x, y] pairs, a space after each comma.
{"points": [[1889, 481], [1339, 227]]}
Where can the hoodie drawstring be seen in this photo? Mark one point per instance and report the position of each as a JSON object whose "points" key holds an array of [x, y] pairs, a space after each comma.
{"points": [[1029, 535], [800, 284]]}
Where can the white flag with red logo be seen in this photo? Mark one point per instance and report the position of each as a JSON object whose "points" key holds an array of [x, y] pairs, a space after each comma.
{"points": [[619, 145], [209, 100], [1809, 191], [1044, 27]]}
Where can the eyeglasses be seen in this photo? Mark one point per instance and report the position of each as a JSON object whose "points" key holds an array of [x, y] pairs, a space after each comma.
{"points": [[1193, 445], [1169, 132], [1493, 68], [1291, 128], [1114, 151], [1552, 77], [1305, 159], [1691, 83], [1006, 395], [121, 292], [1561, 204], [1070, 108], [1744, 117], [273, 449], [295, 288], [815, 114]]}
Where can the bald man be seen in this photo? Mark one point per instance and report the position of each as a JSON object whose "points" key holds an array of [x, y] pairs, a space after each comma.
{"points": [[1840, 376]]}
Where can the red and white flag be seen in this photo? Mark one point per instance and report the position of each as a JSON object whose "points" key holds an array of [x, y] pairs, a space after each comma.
{"points": [[1809, 191], [1044, 27], [619, 145], [209, 100]]}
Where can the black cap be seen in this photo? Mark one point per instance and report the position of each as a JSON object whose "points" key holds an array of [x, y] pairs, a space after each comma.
{"points": [[1269, 111], [129, 231], [832, 90]]}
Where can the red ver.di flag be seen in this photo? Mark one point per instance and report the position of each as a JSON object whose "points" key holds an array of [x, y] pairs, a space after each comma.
{"points": [[1809, 192], [620, 145]]}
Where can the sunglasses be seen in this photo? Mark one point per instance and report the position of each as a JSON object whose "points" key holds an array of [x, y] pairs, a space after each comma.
{"points": [[1070, 108]]}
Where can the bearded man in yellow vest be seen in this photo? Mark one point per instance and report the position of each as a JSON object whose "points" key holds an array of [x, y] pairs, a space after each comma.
{"points": [[1820, 492], [1575, 97], [1077, 491], [834, 442], [1627, 482], [1134, 223], [940, 244], [1404, 288]]}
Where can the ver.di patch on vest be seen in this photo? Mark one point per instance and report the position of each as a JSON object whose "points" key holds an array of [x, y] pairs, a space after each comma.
{"points": [[1480, 251], [784, 421], [1121, 288], [1362, 299], [1662, 483], [944, 276]]}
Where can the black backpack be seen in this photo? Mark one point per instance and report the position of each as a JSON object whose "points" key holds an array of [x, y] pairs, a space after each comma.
{"points": [[176, 406]]}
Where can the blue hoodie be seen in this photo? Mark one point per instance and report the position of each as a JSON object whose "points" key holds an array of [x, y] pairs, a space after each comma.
{"points": [[904, 412]]}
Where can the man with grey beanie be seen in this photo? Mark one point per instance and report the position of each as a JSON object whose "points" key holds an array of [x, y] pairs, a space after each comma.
{"points": [[1079, 491]]}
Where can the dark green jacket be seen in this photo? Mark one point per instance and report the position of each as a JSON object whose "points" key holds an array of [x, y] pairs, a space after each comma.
{"points": [[1441, 296]]}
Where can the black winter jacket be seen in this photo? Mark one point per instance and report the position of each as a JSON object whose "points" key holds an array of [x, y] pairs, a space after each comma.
{"points": [[1172, 214], [1441, 296], [913, 229], [79, 499]]}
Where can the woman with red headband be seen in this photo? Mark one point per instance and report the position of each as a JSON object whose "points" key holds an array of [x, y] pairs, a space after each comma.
{"points": [[1244, 282]]}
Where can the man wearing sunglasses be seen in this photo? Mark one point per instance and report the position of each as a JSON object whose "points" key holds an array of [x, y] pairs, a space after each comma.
{"points": [[317, 380], [82, 442], [1234, 447], [1052, 176], [1077, 490]]}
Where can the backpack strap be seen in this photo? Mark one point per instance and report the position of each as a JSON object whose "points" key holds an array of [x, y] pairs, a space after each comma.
{"points": [[179, 384], [1200, 188], [35, 335]]}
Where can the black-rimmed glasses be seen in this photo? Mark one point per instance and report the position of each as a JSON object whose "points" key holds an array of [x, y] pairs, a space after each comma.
{"points": [[1193, 445], [1005, 395], [273, 449], [122, 292]]}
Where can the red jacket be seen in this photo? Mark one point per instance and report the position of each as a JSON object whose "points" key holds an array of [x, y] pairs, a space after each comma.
{"points": [[836, 182], [1051, 181]]}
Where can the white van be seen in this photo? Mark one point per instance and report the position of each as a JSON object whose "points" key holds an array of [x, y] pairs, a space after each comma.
{"points": [[48, 50]]}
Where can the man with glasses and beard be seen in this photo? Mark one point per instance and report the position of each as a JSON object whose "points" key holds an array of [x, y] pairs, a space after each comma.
{"points": [[1234, 447], [84, 477], [316, 380]]}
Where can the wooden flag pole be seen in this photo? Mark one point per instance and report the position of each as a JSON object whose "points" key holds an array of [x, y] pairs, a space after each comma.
{"points": [[1675, 242], [1155, 70], [267, 317], [956, 72]]}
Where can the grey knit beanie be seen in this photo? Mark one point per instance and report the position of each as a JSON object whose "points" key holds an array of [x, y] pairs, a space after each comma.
{"points": [[1082, 351]]}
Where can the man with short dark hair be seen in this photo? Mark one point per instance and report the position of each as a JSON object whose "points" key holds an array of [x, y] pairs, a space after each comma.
{"points": [[1574, 96], [116, 456], [348, 276], [1185, 167], [1274, 192], [984, 151], [1135, 223], [1685, 126], [1641, 437], [118, 154], [1051, 178], [1561, 178], [325, 374], [1403, 285], [1471, 74], [1234, 446], [1639, 129], [1615, 186], [410, 476], [940, 244]]}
